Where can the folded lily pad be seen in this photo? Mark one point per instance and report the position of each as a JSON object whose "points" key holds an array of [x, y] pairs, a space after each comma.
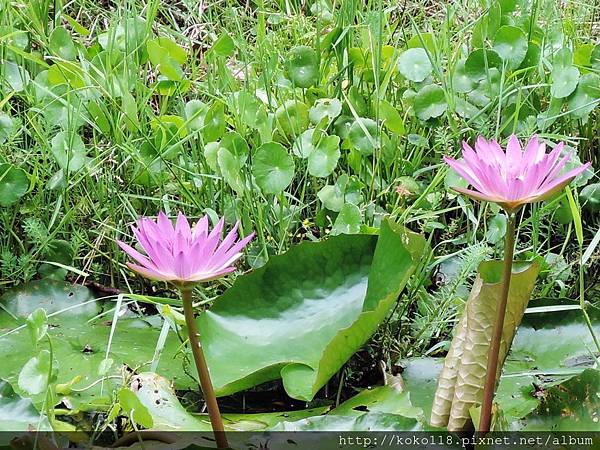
{"points": [[302, 315]]}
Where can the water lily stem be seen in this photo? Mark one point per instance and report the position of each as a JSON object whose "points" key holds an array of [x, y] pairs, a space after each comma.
{"points": [[489, 388], [205, 383]]}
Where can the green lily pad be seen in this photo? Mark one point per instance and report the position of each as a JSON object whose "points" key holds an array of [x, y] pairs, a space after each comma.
{"points": [[363, 422], [303, 314], [573, 405], [79, 341], [302, 66], [273, 168], [430, 102], [15, 77], [17, 413], [168, 414], [14, 184], [414, 64]]}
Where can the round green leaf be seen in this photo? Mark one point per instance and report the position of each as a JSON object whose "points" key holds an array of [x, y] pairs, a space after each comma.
{"points": [[214, 122], [195, 112], [586, 95], [564, 81], [33, 377], [303, 145], [414, 64], [480, 61], [325, 107], [461, 81], [273, 168], [364, 135], [302, 66], [348, 220], [15, 77], [13, 184], [6, 127], [323, 159], [511, 44], [231, 169], [391, 118], [61, 44], [292, 117], [430, 102], [69, 151]]}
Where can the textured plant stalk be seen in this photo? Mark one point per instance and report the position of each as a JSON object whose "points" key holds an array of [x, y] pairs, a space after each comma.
{"points": [[492, 371], [461, 382], [203, 374], [444, 394]]}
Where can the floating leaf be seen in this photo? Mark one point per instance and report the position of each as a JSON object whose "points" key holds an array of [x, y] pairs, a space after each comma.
{"points": [[414, 64], [273, 168], [157, 395], [306, 312], [167, 56], [134, 409], [13, 184], [33, 377], [302, 66], [195, 112], [17, 413], [214, 122], [496, 229], [430, 102], [303, 145], [391, 118], [510, 43]]}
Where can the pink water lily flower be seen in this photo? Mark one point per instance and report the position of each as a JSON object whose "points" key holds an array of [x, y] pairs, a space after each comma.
{"points": [[515, 177], [183, 254]]}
